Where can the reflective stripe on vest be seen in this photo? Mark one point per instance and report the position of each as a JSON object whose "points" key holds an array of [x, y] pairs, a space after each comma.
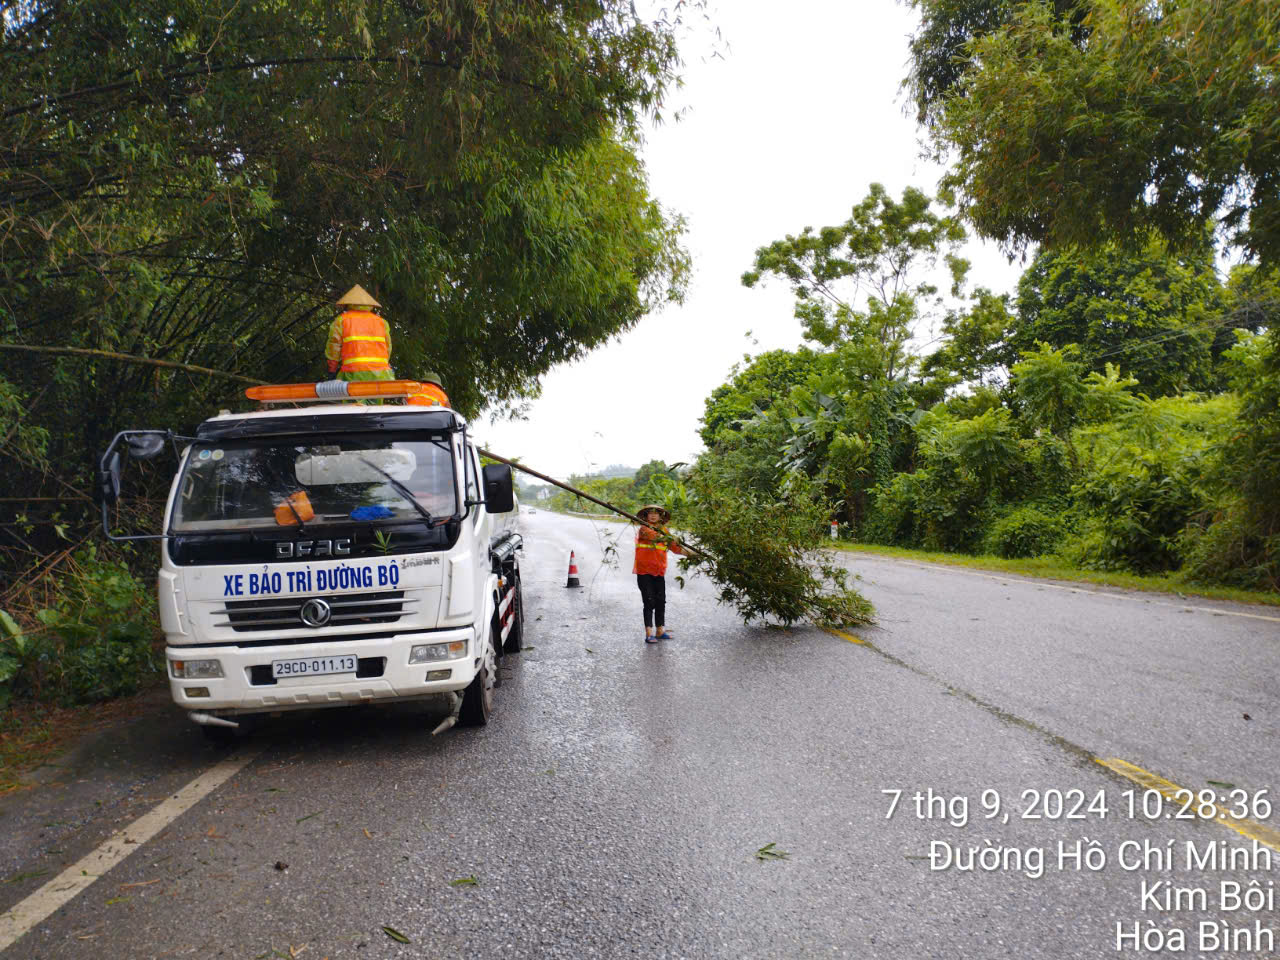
{"points": [[365, 343], [651, 546]]}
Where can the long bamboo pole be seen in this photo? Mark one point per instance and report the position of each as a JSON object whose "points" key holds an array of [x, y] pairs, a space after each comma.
{"points": [[130, 358], [586, 496]]}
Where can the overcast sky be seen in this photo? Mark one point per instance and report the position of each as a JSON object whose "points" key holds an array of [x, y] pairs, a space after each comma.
{"points": [[788, 130]]}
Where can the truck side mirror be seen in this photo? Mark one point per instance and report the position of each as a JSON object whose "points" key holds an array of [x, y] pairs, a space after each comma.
{"points": [[109, 478], [499, 496], [143, 444]]}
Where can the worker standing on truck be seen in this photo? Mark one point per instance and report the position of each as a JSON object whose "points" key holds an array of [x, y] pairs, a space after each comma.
{"points": [[432, 393], [650, 569], [359, 346]]}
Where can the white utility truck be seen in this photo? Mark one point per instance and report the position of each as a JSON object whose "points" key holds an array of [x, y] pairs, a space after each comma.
{"points": [[328, 555]]}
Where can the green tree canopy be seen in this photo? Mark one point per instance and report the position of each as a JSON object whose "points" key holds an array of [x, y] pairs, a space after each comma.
{"points": [[861, 283], [760, 385], [202, 187], [1131, 117], [973, 341], [1153, 314], [940, 48]]}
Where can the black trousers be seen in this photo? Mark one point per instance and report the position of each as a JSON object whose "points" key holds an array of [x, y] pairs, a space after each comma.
{"points": [[653, 591]]}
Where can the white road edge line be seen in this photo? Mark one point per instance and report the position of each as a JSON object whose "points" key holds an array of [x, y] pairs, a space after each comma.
{"points": [[80, 875], [946, 568]]}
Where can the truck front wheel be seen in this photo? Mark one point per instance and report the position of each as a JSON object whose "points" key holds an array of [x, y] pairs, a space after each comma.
{"points": [[477, 699]]}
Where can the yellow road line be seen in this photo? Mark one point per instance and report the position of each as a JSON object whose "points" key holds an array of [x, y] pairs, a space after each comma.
{"points": [[1250, 829], [851, 637]]}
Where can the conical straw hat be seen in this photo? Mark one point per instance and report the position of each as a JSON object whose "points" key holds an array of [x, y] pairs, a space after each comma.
{"points": [[358, 296]]}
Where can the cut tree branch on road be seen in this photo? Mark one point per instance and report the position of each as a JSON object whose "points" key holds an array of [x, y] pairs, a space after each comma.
{"points": [[768, 561]]}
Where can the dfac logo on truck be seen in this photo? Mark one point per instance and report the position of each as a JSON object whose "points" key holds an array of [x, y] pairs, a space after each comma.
{"points": [[287, 549], [315, 612]]}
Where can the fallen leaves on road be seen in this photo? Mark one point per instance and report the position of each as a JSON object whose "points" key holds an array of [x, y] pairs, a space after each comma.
{"points": [[770, 852], [29, 875], [140, 883], [396, 935], [281, 865], [368, 834], [308, 816], [470, 881]]}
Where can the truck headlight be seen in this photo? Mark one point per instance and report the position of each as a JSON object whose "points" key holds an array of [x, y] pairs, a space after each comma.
{"points": [[196, 669], [428, 652]]}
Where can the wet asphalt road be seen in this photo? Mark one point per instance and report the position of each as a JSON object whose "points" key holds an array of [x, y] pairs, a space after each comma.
{"points": [[615, 805]]}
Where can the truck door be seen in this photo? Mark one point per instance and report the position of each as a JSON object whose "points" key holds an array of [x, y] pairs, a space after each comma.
{"points": [[477, 524], [466, 581]]}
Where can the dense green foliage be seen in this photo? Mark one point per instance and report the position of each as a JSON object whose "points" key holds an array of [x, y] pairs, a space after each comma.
{"points": [[93, 642], [1153, 315], [1125, 137], [198, 182], [237, 168], [753, 388], [1099, 415], [1106, 119]]}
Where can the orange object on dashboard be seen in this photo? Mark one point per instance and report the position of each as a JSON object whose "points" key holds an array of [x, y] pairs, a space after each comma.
{"points": [[332, 390], [297, 506]]}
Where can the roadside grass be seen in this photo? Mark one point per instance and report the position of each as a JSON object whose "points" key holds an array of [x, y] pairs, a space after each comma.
{"points": [[33, 734], [1052, 568]]}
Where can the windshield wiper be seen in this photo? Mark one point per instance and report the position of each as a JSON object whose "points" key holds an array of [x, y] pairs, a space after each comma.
{"points": [[402, 490]]}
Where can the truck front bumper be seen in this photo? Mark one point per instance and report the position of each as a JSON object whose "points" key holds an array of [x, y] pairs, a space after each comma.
{"points": [[384, 674]]}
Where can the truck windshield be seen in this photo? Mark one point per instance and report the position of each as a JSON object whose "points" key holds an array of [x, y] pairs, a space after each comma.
{"points": [[244, 484]]}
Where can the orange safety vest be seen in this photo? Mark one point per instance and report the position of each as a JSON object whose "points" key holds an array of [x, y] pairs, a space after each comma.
{"points": [[429, 396], [651, 553], [365, 342]]}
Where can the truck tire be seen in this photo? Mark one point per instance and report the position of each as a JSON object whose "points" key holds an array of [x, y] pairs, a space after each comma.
{"points": [[477, 699], [515, 639]]}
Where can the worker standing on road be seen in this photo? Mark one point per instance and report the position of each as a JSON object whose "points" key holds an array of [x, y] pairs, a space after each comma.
{"points": [[359, 346], [651, 569], [432, 393]]}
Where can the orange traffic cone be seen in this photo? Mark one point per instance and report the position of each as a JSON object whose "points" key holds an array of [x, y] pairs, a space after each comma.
{"points": [[573, 572]]}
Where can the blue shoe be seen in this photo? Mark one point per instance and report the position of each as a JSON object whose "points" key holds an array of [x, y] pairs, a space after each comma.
{"points": [[652, 639], [664, 635]]}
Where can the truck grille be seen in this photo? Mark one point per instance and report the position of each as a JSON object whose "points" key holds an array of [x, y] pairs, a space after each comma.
{"points": [[346, 610]]}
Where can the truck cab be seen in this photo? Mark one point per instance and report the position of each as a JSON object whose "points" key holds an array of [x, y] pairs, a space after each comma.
{"points": [[332, 555]]}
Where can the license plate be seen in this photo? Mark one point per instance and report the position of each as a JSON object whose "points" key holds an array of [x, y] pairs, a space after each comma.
{"points": [[313, 666]]}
